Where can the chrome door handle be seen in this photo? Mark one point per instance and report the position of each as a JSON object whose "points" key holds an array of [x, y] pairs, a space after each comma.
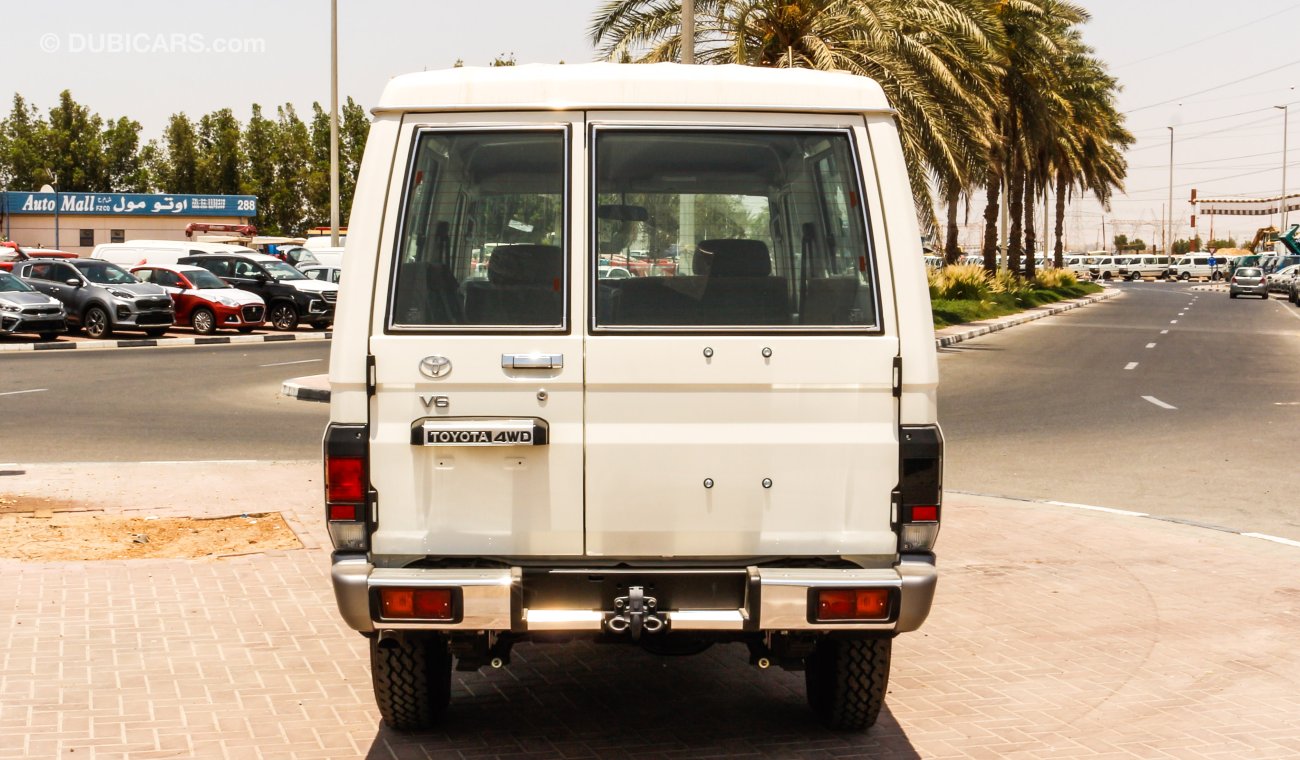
{"points": [[532, 361]]}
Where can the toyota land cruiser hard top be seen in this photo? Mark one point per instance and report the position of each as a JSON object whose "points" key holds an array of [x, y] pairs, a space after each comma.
{"points": [[738, 444]]}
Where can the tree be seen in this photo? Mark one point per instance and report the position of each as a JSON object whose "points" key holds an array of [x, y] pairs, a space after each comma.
{"points": [[23, 162], [178, 161], [933, 58], [220, 157], [74, 146], [287, 209], [259, 148], [317, 187], [354, 128], [124, 164]]}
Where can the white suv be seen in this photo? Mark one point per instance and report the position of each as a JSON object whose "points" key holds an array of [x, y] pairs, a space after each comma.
{"points": [[737, 443]]}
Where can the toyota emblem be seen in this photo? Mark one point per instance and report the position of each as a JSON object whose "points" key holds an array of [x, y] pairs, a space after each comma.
{"points": [[435, 367]]}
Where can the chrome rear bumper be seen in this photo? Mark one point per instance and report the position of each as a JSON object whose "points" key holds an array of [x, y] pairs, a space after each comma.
{"points": [[491, 600]]}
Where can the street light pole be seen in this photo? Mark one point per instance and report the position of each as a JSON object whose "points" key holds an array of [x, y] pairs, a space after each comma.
{"points": [[688, 31], [1286, 113], [1169, 234], [334, 123]]}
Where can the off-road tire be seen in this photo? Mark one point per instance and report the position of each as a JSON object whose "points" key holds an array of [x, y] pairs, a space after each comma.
{"points": [[411, 674], [847, 680]]}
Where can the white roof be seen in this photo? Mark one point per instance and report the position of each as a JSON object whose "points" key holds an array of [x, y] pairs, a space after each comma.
{"points": [[541, 86]]}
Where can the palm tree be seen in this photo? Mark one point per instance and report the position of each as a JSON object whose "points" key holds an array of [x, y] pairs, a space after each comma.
{"points": [[933, 58]]}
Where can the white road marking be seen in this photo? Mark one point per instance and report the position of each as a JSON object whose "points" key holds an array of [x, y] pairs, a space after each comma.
{"points": [[1151, 345], [1286, 403], [1274, 539], [1158, 402], [285, 364], [1164, 332], [1131, 365], [1091, 508], [1173, 321], [1181, 313], [32, 390]]}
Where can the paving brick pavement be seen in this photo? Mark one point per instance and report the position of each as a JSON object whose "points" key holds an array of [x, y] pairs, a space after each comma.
{"points": [[1056, 633]]}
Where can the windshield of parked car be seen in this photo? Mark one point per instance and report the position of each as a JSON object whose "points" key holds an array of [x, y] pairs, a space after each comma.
{"points": [[11, 284], [202, 279], [104, 273], [1249, 272], [282, 271]]}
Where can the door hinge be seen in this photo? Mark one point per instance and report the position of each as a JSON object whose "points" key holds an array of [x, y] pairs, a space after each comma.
{"points": [[371, 380], [898, 377]]}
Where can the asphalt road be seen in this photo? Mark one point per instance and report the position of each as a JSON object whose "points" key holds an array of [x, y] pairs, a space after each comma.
{"points": [[1052, 410], [1057, 409], [160, 404]]}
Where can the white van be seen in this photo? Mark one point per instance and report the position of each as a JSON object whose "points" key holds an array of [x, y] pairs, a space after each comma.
{"points": [[739, 444], [1196, 264], [135, 253]]}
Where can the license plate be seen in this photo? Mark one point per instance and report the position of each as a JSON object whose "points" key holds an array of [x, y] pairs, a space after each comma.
{"points": [[461, 431]]}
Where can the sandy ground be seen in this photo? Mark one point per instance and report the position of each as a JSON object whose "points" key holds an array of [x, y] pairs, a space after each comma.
{"points": [[181, 510]]}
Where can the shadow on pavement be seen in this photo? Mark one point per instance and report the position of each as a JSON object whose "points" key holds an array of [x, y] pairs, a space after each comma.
{"points": [[587, 700]]}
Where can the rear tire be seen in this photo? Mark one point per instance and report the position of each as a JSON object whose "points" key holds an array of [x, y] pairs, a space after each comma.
{"points": [[155, 332], [411, 674], [847, 680]]}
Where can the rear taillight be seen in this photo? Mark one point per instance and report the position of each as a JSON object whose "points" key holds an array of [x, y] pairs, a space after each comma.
{"points": [[347, 487], [852, 605], [920, 487], [437, 604]]}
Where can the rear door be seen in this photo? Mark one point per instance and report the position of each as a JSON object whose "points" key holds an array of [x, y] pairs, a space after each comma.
{"points": [[476, 419], [739, 398]]}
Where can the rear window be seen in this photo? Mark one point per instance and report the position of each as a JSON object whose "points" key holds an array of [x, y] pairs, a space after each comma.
{"points": [[730, 230], [483, 235], [1250, 272]]}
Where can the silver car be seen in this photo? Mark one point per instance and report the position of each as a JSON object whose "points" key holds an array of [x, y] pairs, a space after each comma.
{"points": [[23, 310], [1248, 281], [100, 297]]}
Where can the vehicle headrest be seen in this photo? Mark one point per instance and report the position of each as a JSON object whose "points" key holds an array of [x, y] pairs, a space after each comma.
{"points": [[733, 258], [526, 265]]}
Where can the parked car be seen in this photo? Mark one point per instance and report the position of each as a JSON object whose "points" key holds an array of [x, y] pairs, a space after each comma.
{"points": [[1195, 265], [1147, 265], [291, 297], [486, 477], [322, 272], [11, 254], [100, 297], [203, 300], [1248, 281], [25, 310], [296, 256], [134, 253], [1103, 268], [613, 273], [1280, 280], [328, 256]]}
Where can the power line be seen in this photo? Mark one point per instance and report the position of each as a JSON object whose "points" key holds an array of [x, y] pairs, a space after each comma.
{"points": [[1212, 89], [1183, 164], [1215, 36]]}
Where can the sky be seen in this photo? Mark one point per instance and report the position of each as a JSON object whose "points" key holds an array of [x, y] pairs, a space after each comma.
{"points": [[1212, 70]]}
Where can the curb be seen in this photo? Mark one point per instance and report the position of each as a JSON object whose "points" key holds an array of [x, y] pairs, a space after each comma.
{"points": [[307, 388], [976, 329], [207, 340]]}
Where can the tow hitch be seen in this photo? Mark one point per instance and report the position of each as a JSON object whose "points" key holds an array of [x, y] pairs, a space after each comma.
{"points": [[635, 613]]}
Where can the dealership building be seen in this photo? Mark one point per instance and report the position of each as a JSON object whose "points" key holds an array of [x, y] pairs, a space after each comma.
{"points": [[77, 222]]}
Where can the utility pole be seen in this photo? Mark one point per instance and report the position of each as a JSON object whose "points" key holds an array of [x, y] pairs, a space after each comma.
{"points": [[688, 31], [1169, 234], [334, 123], [1286, 113]]}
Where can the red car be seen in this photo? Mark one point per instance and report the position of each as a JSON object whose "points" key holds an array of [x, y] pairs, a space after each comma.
{"points": [[11, 253], [203, 300]]}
